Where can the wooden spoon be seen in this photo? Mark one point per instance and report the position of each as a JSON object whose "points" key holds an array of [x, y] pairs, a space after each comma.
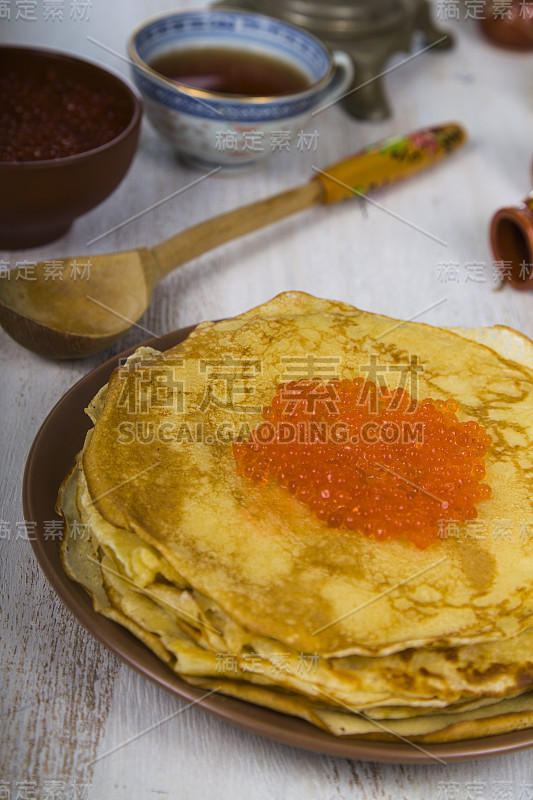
{"points": [[73, 318]]}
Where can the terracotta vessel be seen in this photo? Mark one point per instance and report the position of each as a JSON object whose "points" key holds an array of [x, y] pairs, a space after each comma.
{"points": [[509, 25], [511, 238]]}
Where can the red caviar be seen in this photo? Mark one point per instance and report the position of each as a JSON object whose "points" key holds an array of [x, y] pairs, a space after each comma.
{"points": [[368, 459], [50, 116]]}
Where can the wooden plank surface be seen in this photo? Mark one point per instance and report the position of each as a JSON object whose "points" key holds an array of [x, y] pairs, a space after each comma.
{"points": [[77, 722]]}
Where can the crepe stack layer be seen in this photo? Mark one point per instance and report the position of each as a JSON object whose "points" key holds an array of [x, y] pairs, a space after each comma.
{"points": [[241, 588]]}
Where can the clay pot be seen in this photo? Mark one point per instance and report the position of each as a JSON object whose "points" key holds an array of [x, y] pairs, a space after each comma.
{"points": [[511, 238], [509, 25]]}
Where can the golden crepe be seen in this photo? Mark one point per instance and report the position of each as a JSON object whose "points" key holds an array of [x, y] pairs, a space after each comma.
{"points": [[241, 586]]}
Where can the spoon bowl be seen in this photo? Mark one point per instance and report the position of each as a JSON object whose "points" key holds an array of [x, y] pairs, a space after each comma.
{"points": [[77, 317]]}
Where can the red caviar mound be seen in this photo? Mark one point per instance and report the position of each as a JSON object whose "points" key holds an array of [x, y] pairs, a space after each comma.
{"points": [[368, 459]]}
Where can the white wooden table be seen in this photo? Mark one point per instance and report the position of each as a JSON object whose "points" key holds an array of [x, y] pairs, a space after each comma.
{"points": [[76, 722]]}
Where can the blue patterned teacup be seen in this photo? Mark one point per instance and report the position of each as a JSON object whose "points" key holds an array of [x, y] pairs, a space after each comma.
{"points": [[211, 128]]}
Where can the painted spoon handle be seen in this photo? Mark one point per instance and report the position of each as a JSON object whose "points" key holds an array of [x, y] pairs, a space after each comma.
{"points": [[389, 161], [375, 166]]}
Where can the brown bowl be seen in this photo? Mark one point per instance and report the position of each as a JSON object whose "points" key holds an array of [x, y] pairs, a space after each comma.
{"points": [[40, 199]]}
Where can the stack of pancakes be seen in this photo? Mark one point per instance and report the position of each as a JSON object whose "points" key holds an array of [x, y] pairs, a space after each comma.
{"points": [[241, 588]]}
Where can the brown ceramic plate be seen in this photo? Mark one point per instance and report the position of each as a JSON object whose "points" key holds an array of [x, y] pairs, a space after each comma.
{"points": [[51, 456]]}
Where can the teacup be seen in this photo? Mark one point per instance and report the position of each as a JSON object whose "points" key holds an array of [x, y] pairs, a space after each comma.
{"points": [[212, 128]]}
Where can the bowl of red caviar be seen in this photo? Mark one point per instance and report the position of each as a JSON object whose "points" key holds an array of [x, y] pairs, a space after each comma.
{"points": [[68, 134]]}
